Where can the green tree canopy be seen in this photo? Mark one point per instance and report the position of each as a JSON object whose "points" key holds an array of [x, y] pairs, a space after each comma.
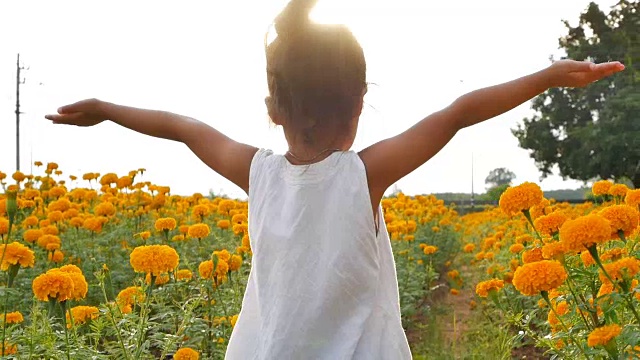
{"points": [[499, 176], [592, 132]]}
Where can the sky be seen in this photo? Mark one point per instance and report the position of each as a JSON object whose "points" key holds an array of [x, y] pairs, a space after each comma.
{"points": [[206, 60]]}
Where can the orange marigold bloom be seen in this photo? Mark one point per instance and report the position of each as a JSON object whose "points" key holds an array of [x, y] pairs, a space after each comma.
{"points": [[483, 288], [54, 216], [624, 268], [603, 335], [524, 239], [533, 278], [14, 317], [81, 314], [184, 274], [468, 248], [165, 224], [553, 250], [199, 231], [532, 255], [223, 224], [47, 239], [550, 224], [186, 353], [16, 254], [613, 254], [601, 187], [430, 249], [154, 259], [520, 198], [633, 198], [80, 286], [160, 279], [235, 262], [622, 218], [585, 231], [4, 226], [619, 190], [587, 259], [56, 256], [30, 221], [200, 210], [516, 248], [128, 297], [54, 284], [32, 235], [239, 218], [223, 254]]}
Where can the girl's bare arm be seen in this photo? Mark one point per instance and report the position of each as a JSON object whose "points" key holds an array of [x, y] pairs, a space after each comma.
{"points": [[225, 156], [390, 160]]}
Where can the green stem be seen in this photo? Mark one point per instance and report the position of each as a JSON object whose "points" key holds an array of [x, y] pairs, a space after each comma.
{"points": [[545, 296], [573, 293], [113, 321], [527, 215], [63, 304], [594, 254], [143, 315]]}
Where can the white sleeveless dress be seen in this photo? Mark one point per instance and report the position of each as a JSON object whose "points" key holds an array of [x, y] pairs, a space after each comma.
{"points": [[322, 284]]}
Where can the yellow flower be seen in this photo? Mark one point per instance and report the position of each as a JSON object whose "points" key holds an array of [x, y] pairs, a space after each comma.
{"points": [[224, 224], [235, 262], [154, 259], [199, 231], [468, 248], [223, 255], [603, 335], [633, 198], [200, 211], [186, 353], [601, 187], [622, 218], [54, 284], [483, 288], [624, 268], [516, 248], [520, 198], [585, 231], [160, 279], [80, 286], [532, 255], [184, 274], [550, 224], [14, 317], [32, 235], [619, 190], [129, 297], [165, 224], [81, 314], [533, 278], [430, 249], [16, 254]]}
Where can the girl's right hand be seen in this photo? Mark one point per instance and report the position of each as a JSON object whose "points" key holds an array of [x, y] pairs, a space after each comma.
{"points": [[88, 112]]}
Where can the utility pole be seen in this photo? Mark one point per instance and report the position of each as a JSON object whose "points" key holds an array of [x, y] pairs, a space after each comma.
{"points": [[472, 192], [19, 81]]}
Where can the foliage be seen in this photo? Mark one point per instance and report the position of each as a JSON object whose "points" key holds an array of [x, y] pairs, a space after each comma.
{"points": [[499, 177], [592, 132]]}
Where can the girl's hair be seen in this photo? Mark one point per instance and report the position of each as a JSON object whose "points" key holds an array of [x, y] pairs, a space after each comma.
{"points": [[316, 72]]}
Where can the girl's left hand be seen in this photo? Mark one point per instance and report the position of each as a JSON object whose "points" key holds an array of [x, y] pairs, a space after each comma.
{"points": [[570, 73]]}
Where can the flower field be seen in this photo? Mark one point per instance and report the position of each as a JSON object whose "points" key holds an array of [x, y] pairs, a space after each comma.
{"points": [[116, 267]]}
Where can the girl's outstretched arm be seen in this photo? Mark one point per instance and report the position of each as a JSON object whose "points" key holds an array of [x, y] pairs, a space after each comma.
{"points": [[225, 156], [390, 160]]}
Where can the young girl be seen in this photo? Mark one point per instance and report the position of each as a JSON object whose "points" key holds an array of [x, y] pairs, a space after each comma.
{"points": [[323, 282]]}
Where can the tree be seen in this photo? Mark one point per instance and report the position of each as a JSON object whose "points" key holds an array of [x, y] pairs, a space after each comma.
{"points": [[499, 176], [493, 193], [592, 132]]}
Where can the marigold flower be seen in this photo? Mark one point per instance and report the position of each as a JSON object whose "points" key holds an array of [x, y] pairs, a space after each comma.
{"points": [[619, 190], [160, 279], [186, 353], [200, 211], [603, 335], [483, 288], [30, 221], [601, 187], [54, 284], [80, 286], [516, 248], [223, 224], [468, 248], [625, 268], [81, 314], [622, 218], [184, 274], [10, 349], [235, 262], [524, 239], [154, 259], [532, 278], [199, 231], [585, 231], [223, 255], [14, 317], [429, 249], [520, 198], [553, 250], [4, 226], [55, 256], [165, 224], [532, 255], [16, 254], [550, 224], [129, 297], [633, 198]]}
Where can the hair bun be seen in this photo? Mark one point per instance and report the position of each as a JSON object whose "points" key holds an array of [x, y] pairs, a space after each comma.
{"points": [[294, 17]]}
